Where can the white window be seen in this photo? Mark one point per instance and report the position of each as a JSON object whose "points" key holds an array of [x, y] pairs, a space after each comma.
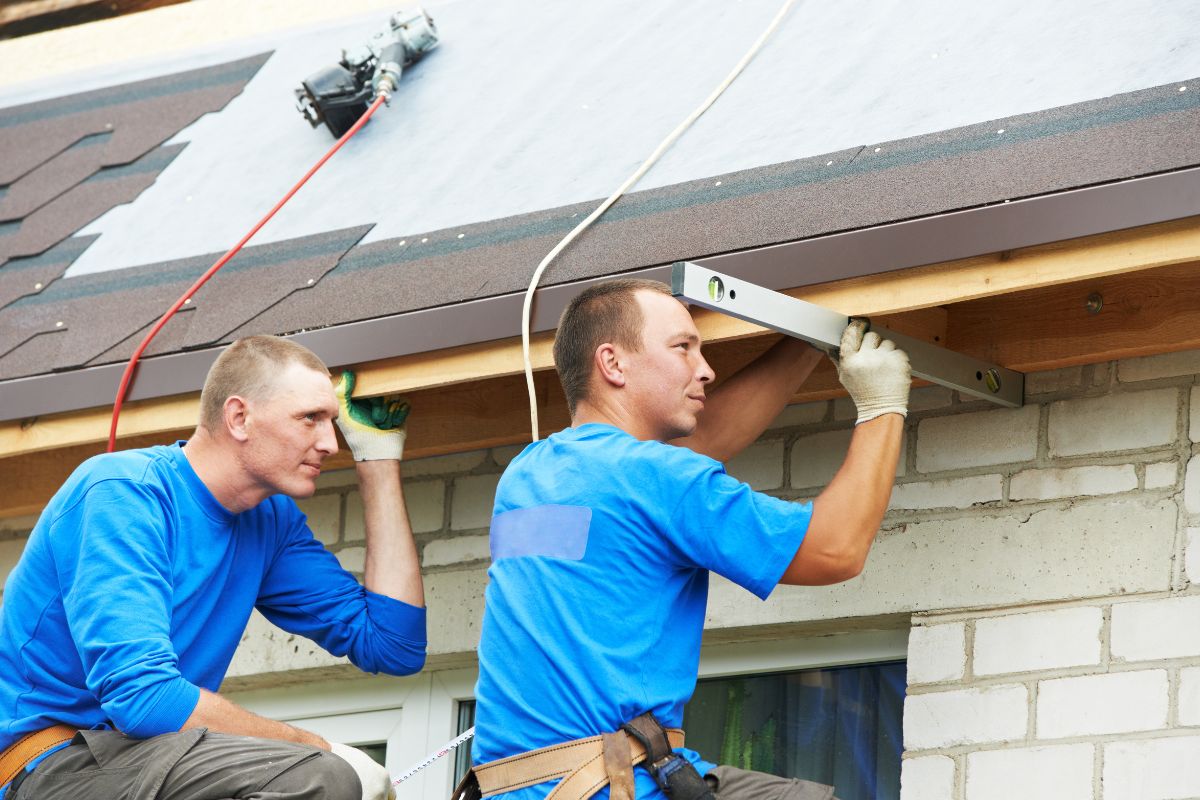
{"points": [[754, 701]]}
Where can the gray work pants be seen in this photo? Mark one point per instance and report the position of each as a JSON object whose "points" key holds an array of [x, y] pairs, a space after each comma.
{"points": [[731, 783], [189, 765]]}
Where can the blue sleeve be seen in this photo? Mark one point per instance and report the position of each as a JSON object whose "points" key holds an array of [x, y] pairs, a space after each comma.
{"points": [[112, 556], [307, 592], [723, 525]]}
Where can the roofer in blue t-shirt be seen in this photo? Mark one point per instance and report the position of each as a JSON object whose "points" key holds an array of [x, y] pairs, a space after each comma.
{"points": [[604, 535], [123, 614]]}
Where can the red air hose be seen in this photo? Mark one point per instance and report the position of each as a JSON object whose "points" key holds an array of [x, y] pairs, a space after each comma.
{"points": [[127, 377]]}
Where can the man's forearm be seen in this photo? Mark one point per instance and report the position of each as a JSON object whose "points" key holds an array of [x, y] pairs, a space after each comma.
{"points": [[846, 516], [741, 408], [391, 567], [218, 714]]}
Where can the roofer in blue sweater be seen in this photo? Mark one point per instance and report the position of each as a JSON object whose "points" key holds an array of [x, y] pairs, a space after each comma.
{"points": [[604, 535], [123, 614]]}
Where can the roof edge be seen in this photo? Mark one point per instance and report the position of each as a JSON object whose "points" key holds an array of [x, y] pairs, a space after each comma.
{"points": [[951, 236]]}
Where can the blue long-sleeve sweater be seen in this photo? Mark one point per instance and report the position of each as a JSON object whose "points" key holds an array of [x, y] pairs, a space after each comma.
{"points": [[136, 585]]}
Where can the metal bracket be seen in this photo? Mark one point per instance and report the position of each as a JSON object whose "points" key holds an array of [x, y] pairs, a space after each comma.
{"points": [[823, 328]]}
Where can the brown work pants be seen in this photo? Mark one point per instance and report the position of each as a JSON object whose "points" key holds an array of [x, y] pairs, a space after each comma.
{"points": [[731, 783], [189, 765]]}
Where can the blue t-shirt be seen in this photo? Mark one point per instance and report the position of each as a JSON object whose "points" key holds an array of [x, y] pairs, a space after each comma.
{"points": [[601, 548], [136, 585]]}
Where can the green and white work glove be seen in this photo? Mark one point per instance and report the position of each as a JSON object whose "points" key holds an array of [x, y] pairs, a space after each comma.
{"points": [[874, 372], [372, 426], [376, 783]]}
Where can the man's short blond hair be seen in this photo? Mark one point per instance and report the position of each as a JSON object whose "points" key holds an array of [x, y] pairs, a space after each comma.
{"points": [[248, 368]]}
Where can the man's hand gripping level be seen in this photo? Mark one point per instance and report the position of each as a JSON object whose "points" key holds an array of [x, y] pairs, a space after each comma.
{"points": [[874, 372]]}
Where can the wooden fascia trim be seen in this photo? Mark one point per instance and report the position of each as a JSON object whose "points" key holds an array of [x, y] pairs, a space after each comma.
{"points": [[892, 293]]}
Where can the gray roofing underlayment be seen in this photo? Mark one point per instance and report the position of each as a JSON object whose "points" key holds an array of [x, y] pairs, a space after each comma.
{"points": [[855, 115]]}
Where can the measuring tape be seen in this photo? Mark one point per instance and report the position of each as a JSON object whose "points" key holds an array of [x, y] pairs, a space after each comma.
{"points": [[434, 756]]}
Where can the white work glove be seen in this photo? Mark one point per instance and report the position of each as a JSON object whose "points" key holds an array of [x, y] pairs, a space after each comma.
{"points": [[372, 426], [376, 783], [874, 372]]}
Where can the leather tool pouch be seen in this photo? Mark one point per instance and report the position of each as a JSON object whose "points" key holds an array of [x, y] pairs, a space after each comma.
{"points": [[674, 774]]}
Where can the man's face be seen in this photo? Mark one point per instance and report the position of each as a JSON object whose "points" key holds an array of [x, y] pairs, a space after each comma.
{"points": [[667, 378], [290, 431]]}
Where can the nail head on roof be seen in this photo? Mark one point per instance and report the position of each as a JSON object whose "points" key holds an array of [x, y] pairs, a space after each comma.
{"points": [[461, 235], [829, 163], [37, 287], [311, 281], [718, 183], [1183, 88], [402, 242], [877, 149], [187, 302], [58, 324], [1000, 131], [426, 239]]}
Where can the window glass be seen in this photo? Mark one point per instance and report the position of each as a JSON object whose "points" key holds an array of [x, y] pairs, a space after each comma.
{"points": [[462, 756], [377, 752], [838, 726]]}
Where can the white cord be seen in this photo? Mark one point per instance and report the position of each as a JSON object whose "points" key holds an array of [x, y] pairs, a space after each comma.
{"points": [[630, 181]]}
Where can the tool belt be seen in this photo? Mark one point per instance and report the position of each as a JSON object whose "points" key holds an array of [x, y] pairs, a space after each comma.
{"points": [[588, 765], [29, 747]]}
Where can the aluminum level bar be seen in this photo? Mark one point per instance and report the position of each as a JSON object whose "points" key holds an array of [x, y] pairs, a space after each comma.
{"points": [[823, 328]]}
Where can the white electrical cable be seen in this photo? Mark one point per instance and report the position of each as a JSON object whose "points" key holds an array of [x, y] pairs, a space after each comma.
{"points": [[630, 181]]}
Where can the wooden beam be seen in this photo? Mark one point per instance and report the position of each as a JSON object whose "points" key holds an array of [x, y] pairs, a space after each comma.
{"points": [[1149, 312], [1142, 314]]}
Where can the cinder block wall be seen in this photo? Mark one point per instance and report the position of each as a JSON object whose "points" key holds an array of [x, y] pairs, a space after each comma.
{"points": [[1043, 558]]}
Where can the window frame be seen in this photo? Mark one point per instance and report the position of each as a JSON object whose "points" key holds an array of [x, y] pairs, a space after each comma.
{"points": [[417, 715]]}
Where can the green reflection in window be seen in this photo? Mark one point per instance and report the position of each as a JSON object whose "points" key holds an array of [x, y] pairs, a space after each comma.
{"points": [[838, 726]]}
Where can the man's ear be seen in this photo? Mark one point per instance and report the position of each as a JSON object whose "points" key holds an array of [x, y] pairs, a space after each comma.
{"points": [[610, 364], [237, 417]]}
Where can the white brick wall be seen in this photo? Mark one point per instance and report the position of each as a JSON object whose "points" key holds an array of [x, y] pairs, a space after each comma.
{"points": [[474, 497], [1162, 474], [937, 653], [1098, 704], [1038, 641], [425, 500], [1152, 769], [1051, 484], [760, 465], [1192, 561], [817, 457], [1191, 486], [1168, 365], [460, 549], [965, 716], [978, 439], [1062, 772], [10, 554], [800, 414], [948, 492], [1189, 696], [444, 465], [1054, 380], [927, 778], [1194, 424], [1156, 629], [324, 512], [1127, 421]]}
